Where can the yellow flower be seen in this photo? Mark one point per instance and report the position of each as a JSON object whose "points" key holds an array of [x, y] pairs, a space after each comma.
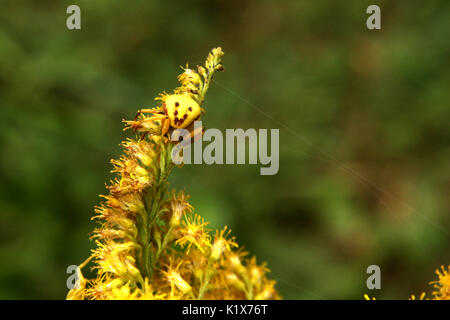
{"points": [[194, 233], [233, 280], [234, 260], [141, 150], [117, 258], [179, 207], [221, 244], [174, 278]]}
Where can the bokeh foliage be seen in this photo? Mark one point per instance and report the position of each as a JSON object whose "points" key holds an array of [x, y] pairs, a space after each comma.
{"points": [[363, 118]]}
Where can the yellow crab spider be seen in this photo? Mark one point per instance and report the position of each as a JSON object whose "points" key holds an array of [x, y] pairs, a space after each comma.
{"points": [[179, 112]]}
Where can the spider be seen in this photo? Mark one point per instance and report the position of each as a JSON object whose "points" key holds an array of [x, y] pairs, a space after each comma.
{"points": [[179, 112]]}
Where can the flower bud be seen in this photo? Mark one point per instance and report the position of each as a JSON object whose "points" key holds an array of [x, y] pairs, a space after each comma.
{"points": [[234, 281]]}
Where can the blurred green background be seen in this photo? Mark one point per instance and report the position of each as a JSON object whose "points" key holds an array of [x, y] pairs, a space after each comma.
{"points": [[364, 143]]}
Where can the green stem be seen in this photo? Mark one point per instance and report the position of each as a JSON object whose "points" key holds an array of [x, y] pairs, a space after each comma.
{"points": [[161, 247], [158, 194], [208, 274], [142, 240], [206, 83]]}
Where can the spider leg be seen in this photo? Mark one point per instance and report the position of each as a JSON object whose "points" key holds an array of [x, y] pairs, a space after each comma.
{"points": [[197, 133], [194, 135], [141, 111], [165, 125]]}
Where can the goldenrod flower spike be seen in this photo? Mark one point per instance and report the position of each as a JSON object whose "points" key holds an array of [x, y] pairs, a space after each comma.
{"points": [[150, 244]]}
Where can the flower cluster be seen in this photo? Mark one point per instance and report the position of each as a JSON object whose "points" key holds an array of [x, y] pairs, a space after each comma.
{"points": [[151, 244]]}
